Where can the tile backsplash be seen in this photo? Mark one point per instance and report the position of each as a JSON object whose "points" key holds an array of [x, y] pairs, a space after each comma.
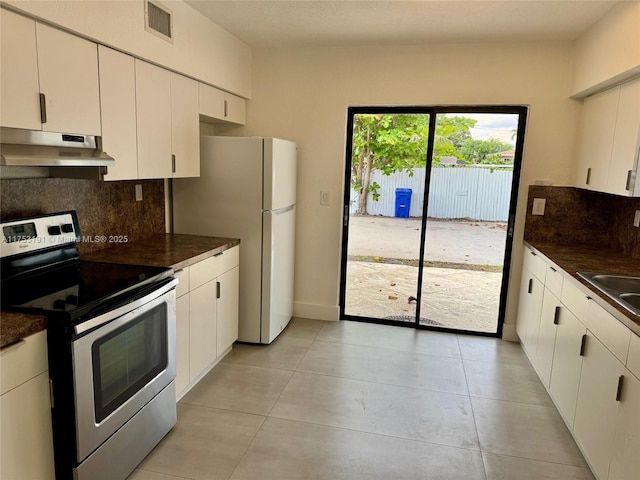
{"points": [[104, 208], [573, 215]]}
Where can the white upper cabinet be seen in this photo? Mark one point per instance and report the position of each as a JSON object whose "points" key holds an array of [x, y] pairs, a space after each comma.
{"points": [[626, 140], [49, 78], [596, 140], [19, 86], [153, 120], [185, 127], [118, 112], [609, 141], [216, 105], [68, 70]]}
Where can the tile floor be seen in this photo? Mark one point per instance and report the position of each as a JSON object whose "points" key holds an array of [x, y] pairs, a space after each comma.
{"points": [[347, 400]]}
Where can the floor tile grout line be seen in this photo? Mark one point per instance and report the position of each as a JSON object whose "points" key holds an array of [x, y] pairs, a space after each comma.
{"points": [[178, 477], [473, 413], [537, 460], [424, 442], [256, 366], [383, 383], [253, 439], [387, 349]]}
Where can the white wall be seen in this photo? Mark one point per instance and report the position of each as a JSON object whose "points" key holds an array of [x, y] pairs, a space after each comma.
{"points": [[201, 49], [303, 95], [609, 52]]}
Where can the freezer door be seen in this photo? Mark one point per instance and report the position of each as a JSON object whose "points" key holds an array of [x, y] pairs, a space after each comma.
{"points": [[279, 174], [278, 250]]}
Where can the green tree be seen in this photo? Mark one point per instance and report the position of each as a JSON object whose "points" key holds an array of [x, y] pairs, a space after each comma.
{"points": [[451, 133], [483, 151], [395, 142], [385, 142]]}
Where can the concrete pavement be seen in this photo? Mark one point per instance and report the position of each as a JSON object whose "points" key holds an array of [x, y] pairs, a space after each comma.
{"points": [[476, 243]]}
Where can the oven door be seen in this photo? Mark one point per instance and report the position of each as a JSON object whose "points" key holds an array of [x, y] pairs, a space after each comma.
{"points": [[122, 365]]}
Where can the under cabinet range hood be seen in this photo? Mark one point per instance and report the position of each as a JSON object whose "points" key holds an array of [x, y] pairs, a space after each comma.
{"points": [[33, 148]]}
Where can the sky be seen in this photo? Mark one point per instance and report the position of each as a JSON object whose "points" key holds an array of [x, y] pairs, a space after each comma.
{"points": [[496, 125]]}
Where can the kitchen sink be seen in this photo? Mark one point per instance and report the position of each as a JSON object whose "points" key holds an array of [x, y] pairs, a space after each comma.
{"points": [[621, 289], [632, 299], [620, 284]]}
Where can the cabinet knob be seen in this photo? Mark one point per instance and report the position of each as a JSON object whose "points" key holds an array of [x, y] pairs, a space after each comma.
{"points": [[556, 316], [217, 289], [588, 175]]}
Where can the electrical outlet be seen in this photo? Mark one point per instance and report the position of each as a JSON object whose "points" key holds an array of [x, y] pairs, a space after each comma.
{"points": [[324, 198], [138, 193], [636, 219], [538, 206]]}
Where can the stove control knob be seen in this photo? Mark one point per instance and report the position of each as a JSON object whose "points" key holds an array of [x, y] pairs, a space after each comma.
{"points": [[54, 230], [72, 300], [59, 305], [67, 227]]}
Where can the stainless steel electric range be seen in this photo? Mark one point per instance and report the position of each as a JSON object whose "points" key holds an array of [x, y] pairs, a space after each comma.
{"points": [[111, 345]]}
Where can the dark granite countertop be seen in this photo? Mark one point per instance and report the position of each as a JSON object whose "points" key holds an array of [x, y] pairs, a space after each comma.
{"points": [[163, 250], [14, 326], [580, 258]]}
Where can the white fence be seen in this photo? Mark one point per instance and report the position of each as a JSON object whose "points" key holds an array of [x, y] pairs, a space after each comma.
{"points": [[476, 193]]}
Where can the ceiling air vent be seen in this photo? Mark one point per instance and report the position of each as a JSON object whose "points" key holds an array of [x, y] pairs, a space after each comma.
{"points": [[158, 20]]}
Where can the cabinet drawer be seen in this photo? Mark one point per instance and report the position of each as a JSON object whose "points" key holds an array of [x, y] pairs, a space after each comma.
{"points": [[183, 282], [633, 360], [553, 280], [534, 264], [210, 268], [23, 361], [613, 334]]}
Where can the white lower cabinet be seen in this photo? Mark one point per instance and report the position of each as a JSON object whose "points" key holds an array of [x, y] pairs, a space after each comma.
{"points": [[597, 406], [567, 363], [26, 442], [549, 320], [589, 362], [202, 323], [207, 316], [625, 459]]}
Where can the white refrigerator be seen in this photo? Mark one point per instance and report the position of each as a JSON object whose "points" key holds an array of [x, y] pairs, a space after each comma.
{"points": [[247, 190]]}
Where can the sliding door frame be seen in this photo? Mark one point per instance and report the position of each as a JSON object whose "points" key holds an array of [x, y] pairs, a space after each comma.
{"points": [[433, 111]]}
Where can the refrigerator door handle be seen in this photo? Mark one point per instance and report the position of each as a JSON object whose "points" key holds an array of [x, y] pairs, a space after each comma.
{"points": [[279, 211]]}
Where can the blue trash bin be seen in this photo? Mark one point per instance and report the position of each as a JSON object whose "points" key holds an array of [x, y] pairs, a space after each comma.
{"points": [[403, 202]]}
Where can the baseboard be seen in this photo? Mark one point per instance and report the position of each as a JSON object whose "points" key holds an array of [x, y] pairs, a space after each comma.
{"points": [[316, 312], [509, 333]]}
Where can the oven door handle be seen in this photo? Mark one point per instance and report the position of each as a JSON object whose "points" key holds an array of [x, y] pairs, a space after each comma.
{"points": [[129, 307]]}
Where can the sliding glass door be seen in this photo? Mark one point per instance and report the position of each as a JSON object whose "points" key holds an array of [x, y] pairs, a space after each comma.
{"points": [[428, 215]]}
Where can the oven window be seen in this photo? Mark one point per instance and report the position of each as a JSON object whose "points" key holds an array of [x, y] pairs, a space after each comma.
{"points": [[125, 360]]}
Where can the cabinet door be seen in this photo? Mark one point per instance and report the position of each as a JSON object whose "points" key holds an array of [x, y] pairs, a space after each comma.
{"points": [[567, 364], [218, 105], [19, 87], [625, 140], [185, 127], [529, 309], [211, 101], [234, 109], [202, 328], [153, 120], [118, 112], [597, 406], [26, 442], [182, 343], [625, 461], [68, 71], [596, 139], [227, 308], [547, 336]]}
